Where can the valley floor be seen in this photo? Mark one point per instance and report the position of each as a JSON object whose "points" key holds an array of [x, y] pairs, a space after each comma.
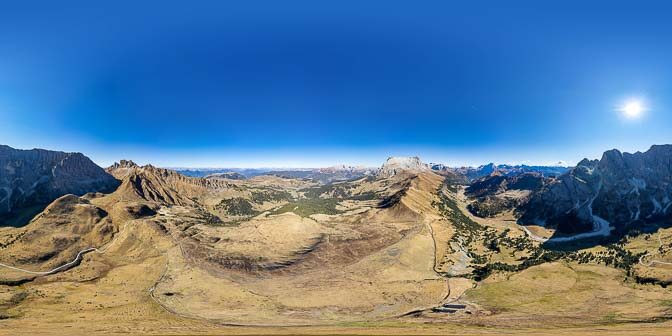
{"points": [[375, 271]]}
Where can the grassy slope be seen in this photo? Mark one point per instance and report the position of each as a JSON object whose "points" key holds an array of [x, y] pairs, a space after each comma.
{"points": [[568, 292]]}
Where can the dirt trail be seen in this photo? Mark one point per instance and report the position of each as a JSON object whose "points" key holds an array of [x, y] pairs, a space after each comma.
{"points": [[650, 263], [74, 262]]}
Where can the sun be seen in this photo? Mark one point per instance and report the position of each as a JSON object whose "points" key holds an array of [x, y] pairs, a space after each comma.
{"points": [[633, 109]]}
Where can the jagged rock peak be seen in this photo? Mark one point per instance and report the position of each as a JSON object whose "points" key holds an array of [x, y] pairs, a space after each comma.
{"points": [[438, 166], [124, 164], [404, 161], [621, 189], [396, 164], [660, 149]]}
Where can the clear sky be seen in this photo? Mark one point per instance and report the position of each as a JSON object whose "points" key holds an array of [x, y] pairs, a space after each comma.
{"points": [[306, 83]]}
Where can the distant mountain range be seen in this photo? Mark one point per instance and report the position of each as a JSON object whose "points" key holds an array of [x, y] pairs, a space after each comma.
{"points": [[338, 238], [342, 172], [203, 172], [324, 175], [227, 175], [619, 192], [473, 173]]}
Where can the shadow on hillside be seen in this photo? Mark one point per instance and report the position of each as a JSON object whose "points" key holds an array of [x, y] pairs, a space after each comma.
{"points": [[21, 217]]}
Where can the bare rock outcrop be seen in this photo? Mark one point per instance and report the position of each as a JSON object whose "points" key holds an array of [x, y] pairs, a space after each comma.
{"points": [[396, 164], [160, 185], [623, 189], [38, 176]]}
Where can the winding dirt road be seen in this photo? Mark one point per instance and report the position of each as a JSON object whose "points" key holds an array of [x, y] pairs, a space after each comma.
{"points": [[650, 263], [72, 263]]}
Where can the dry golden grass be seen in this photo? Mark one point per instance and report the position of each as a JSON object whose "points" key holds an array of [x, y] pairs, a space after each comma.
{"points": [[354, 273], [565, 293]]}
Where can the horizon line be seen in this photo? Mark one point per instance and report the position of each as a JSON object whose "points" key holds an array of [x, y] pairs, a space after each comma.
{"points": [[276, 161]]}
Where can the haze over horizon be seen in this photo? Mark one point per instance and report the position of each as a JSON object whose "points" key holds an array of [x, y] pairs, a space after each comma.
{"points": [[289, 85]]}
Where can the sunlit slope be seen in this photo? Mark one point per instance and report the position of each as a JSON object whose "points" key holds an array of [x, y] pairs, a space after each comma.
{"points": [[360, 266]]}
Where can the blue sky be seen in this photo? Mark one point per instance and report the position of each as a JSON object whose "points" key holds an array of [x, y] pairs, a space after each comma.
{"points": [[297, 83]]}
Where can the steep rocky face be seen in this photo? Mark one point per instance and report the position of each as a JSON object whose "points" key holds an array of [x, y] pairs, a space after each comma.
{"points": [[395, 165], [452, 175], [618, 192], [161, 185], [37, 176], [496, 193], [123, 164]]}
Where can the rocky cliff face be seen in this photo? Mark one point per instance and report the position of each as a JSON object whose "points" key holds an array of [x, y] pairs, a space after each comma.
{"points": [[616, 193], [395, 165], [37, 176], [164, 186]]}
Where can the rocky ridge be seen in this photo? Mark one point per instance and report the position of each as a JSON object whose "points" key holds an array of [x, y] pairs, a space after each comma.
{"points": [[37, 176], [494, 194], [396, 164], [624, 190], [164, 186]]}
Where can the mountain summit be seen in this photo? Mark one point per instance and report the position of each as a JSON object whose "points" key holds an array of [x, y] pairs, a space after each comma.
{"points": [[622, 190], [409, 241], [36, 177], [396, 164]]}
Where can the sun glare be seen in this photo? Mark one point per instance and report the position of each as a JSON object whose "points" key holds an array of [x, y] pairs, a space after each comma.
{"points": [[633, 109]]}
